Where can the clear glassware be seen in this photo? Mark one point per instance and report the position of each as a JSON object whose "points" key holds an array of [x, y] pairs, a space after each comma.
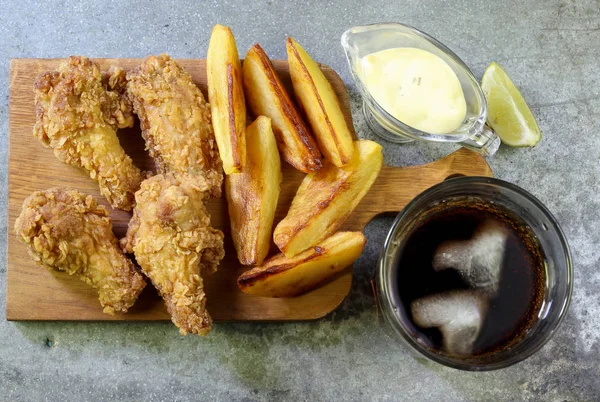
{"points": [[559, 270], [472, 133]]}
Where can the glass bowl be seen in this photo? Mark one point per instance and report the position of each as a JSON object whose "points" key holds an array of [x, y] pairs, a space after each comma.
{"points": [[558, 266]]}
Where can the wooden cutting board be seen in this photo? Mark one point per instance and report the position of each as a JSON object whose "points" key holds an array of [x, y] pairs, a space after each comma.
{"points": [[35, 293]]}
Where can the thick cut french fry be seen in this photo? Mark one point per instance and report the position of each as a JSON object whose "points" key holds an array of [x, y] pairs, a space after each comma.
{"points": [[226, 97], [281, 276], [267, 96], [326, 198], [252, 194], [320, 104]]}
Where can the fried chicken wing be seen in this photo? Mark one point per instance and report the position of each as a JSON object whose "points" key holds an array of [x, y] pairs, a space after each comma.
{"points": [[173, 242], [175, 120], [78, 113], [68, 231]]}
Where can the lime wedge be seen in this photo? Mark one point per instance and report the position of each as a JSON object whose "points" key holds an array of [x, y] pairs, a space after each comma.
{"points": [[508, 114]]}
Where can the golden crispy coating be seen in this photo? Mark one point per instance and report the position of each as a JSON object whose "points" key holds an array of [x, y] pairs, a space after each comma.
{"points": [[174, 244], [175, 120], [67, 231], [78, 113]]}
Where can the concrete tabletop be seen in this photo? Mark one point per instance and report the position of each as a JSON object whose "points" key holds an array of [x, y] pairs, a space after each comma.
{"points": [[550, 48]]}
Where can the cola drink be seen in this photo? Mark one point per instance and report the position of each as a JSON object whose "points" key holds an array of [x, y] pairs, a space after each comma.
{"points": [[471, 279]]}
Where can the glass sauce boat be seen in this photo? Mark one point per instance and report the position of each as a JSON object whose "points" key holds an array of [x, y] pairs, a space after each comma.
{"points": [[472, 133]]}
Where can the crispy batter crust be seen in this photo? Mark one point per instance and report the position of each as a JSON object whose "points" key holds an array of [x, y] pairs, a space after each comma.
{"points": [[171, 237], [175, 120], [68, 231], [78, 112]]}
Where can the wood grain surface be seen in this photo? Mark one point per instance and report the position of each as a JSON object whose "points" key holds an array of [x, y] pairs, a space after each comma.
{"points": [[35, 293]]}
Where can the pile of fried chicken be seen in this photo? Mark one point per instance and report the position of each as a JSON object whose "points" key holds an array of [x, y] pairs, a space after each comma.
{"points": [[79, 110]]}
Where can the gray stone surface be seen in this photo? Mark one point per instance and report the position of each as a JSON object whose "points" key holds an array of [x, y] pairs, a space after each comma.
{"points": [[552, 51]]}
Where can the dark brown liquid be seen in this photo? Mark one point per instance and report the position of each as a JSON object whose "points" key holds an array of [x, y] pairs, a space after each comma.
{"points": [[515, 306]]}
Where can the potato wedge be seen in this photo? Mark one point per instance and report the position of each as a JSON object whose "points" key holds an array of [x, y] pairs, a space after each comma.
{"points": [[320, 104], [226, 97], [267, 96], [281, 276], [326, 198], [252, 194]]}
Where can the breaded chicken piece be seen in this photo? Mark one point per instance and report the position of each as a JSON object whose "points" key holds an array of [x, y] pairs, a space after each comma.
{"points": [[78, 114], [175, 120], [68, 231], [173, 242]]}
